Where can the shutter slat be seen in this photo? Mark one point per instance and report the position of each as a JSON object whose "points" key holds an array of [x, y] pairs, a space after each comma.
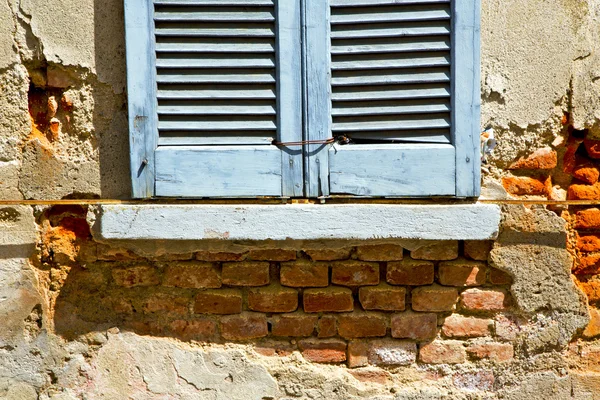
{"points": [[210, 138], [214, 2], [361, 3], [216, 94], [410, 14], [214, 78], [416, 136], [388, 62], [216, 125], [214, 16], [216, 110], [391, 46], [359, 94], [223, 62], [215, 47], [352, 109], [390, 78], [379, 124], [214, 32], [424, 28]]}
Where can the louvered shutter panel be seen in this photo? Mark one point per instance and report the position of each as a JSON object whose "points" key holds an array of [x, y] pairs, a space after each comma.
{"points": [[225, 83], [404, 86]]}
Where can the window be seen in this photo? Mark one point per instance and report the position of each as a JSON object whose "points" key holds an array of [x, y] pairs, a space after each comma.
{"points": [[212, 83]]}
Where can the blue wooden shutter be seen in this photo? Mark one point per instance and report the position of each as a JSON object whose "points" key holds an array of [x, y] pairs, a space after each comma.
{"points": [[211, 84], [404, 86]]}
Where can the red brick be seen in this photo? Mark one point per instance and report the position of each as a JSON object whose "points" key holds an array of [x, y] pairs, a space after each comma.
{"points": [[244, 326], [485, 300], [141, 275], [361, 325], [331, 299], [415, 326], [245, 273], [382, 297], [478, 249], [434, 298], [293, 325], [272, 348], [498, 277], [494, 351], [355, 273], [323, 350], [410, 272], [272, 255], [588, 219], [219, 256], [328, 254], [273, 299], [457, 326], [544, 158], [586, 172], [593, 148], [379, 376], [570, 156], [442, 251], [327, 326], [380, 252], [223, 301], [150, 328], [392, 352], [462, 273], [443, 352], [198, 329], [588, 243], [593, 328], [195, 275], [167, 303], [303, 273], [358, 354], [584, 192], [522, 185]]}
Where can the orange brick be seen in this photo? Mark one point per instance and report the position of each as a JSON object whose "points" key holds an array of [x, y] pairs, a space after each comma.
{"points": [[358, 354], [328, 254], [588, 219], [141, 275], [588, 243], [591, 290], [438, 251], [361, 325], [161, 302], [410, 272], [544, 158], [303, 273], [392, 352], [457, 326], [443, 352], [272, 255], [327, 326], [570, 156], [587, 265], [198, 329], [380, 252], [434, 298], [195, 275], [223, 301], [293, 325], [586, 172], [382, 297], [498, 277], [593, 329], [522, 185], [485, 300], [462, 272], [415, 326], [331, 299], [478, 249], [593, 148], [244, 326], [494, 351], [323, 350], [245, 273], [584, 192], [355, 273], [273, 299], [219, 256]]}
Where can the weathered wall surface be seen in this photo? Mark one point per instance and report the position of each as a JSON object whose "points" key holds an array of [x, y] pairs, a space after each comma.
{"points": [[69, 330]]}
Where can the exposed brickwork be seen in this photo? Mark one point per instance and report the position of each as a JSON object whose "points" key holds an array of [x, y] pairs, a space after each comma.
{"points": [[273, 299], [141, 275], [328, 254], [332, 299], [457, 326], [498, 277], [443, 352], [380, 252], [354, 273], [462, 273], [194, 275], [244, 326], [226, 301], [359, 325], [434, 298], [388, 352], [323, 350], [382, 297], [410, 272], [327, 326], [198, 329], [219, 256], [443, 251], [478, 249], [415, 326], [272, 255], [494, 351], [162, 302], [485, 300], [294, 325], [358, 354], [246, 274], [544, 158], [305, 274], [522, 185]]}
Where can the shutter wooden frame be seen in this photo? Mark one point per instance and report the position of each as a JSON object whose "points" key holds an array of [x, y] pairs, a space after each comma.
{"points": [[407, 169], [213, 170]]}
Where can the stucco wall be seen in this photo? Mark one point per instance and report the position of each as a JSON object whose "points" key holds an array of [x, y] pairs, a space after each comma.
{"points": [[540, 90]]}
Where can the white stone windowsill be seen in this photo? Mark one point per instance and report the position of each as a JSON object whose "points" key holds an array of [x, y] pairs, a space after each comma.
{"points": [[298, 222]]}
